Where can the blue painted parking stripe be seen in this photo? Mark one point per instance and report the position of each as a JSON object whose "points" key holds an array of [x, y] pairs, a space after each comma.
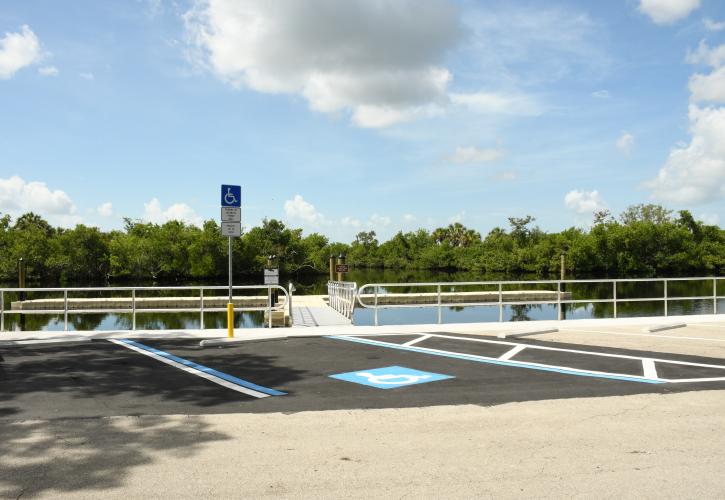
{"points": [[493, 361], [204, 369]]}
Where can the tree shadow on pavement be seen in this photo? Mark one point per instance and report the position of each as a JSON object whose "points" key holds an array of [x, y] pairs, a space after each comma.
{"points": [[104, 379], [73, 455]]}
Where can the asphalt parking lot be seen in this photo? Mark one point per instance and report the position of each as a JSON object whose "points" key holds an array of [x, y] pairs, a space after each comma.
{"points": [[164, 377]]}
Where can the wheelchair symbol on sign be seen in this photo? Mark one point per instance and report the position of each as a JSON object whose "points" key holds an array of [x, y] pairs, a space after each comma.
{"points": [[391, 379], [229, 198]]}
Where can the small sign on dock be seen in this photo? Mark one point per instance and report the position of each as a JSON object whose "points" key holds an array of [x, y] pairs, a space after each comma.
{"points": [[271, 276]]}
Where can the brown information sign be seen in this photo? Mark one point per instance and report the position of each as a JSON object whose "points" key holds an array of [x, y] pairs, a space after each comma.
{"points": [[342, 268]]}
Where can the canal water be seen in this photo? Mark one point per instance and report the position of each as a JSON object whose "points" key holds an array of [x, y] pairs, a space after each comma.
{"points": [[637, 299]]}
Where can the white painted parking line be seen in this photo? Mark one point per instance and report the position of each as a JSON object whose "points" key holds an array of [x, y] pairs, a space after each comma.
{"points": [[576, 351], [648, 364], [685, 380], [513, 352], [495, 361], [419, 339], [223, 379], [648, 367]]}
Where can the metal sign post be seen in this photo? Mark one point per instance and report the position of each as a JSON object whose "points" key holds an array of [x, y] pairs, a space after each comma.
{"points": [[231, 201]]}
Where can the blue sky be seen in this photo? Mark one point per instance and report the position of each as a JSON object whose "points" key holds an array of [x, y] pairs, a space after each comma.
{"points": [[339, 116]]}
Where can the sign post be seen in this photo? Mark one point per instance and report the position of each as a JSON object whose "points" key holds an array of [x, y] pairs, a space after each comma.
{"points": [[231, 203]]}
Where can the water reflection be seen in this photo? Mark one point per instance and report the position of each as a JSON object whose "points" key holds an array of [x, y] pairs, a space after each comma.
{"points": [[418, 315], [144, 321]]}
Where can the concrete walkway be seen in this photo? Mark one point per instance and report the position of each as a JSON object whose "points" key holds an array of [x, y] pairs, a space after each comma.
{"points": [[309, 311]]}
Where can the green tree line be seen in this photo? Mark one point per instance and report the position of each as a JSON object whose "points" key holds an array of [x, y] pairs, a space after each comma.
{"points": [[645, 240]]}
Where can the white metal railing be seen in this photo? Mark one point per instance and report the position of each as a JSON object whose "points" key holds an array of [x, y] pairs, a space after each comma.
{"points": [[342, 296], [378, 290], [134, 301]]}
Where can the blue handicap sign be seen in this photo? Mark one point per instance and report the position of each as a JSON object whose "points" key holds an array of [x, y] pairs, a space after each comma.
{"points": [[231, 196], [390, 377]]}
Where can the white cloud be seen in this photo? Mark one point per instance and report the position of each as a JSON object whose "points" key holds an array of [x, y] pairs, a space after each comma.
{"points": [[710, 219], [458, 217], [584, 202], [153, 212], [709, 87], [18, 50], [601, 94], [299, 209], [625, 143], [17, 196], [471, 154], [372, 59], [350, 222], [87, 76], [105, 210], [378, 221], [498, 103], [48, 71], [704, 54], [668, 11], [409, 218], [695, 172], [711, 25]]}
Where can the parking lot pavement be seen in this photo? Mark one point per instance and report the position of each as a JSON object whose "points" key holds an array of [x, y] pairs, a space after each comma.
{"points": [[697, 339], [158, 377]]}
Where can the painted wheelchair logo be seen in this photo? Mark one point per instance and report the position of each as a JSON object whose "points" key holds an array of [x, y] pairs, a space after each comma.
{"points": [[393, 379], [390, 377]]}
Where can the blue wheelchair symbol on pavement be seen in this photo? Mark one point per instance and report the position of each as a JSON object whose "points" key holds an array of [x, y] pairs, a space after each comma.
{"points": [[390, 377], [231, 196]]}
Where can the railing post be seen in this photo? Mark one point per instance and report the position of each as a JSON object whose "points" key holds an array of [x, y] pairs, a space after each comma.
{"points": [[352, 303], [65, 310], [558, 300], [376, 305], [269, 304], [500, 302], [666, 295], [201, 308], [289, 305], [714, 295], [133, 309], [2, 310], [440, 314], [614, 296]]}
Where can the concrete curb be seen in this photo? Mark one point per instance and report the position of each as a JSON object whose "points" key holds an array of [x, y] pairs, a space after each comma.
{"points": [[515, 335], [227, 342], [50, 342], [660, 328]]}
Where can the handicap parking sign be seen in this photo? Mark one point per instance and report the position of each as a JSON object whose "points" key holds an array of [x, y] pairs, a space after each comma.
{"points": [[390, 377], [231, 196]]}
